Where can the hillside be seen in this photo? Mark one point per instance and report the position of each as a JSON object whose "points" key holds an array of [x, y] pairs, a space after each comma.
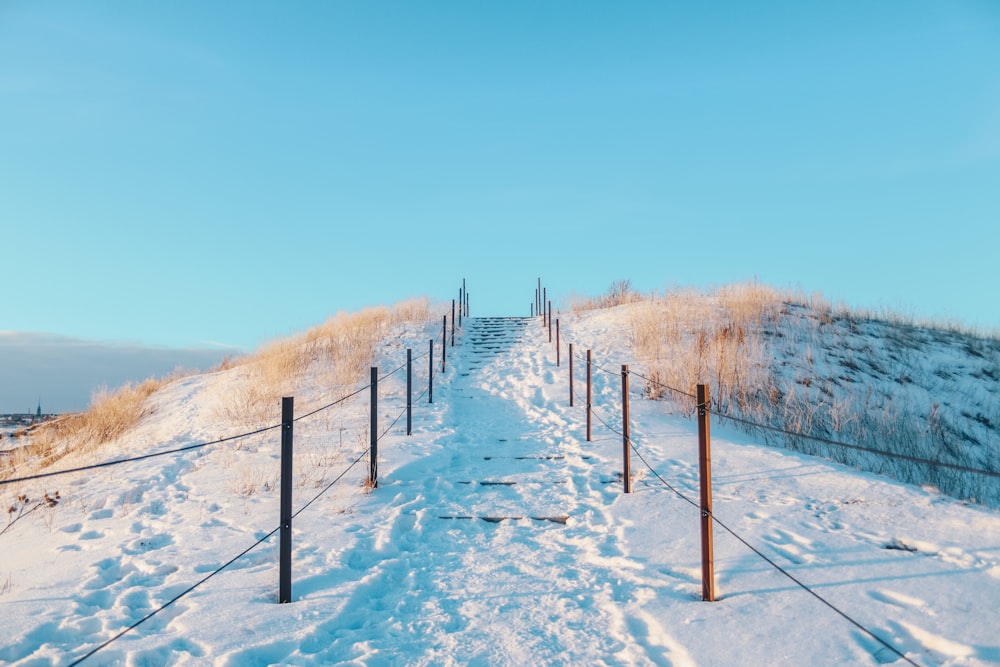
{"points": [[497, 534]]}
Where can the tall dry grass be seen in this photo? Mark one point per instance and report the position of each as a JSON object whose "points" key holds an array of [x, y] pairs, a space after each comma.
{"points": [[110, 415], [685, 337], [334, 356], [799, 364]]}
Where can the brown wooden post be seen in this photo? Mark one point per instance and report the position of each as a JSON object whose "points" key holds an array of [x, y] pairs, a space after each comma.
{"points": [[626, 439], [589, 377], [373, 467], [571, 375], [705, 472]]}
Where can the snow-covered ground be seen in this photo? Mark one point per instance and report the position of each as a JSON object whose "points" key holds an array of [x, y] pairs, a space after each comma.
{"points": [[497, 536]]}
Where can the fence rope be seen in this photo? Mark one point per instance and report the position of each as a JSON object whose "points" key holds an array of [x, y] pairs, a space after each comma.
{"points": [[132, 459], [768, 560], [835, 443], [814, 438], [173, 600]]}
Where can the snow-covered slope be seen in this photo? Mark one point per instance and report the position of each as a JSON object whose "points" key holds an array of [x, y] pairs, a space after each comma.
{"points": [[497, 535]]}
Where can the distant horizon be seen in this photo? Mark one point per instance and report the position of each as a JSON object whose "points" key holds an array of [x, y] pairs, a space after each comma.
{"points": [[68, 370]]}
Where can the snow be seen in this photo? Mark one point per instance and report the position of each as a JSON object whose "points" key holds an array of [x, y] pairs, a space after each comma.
{"points": [[568, 570]]}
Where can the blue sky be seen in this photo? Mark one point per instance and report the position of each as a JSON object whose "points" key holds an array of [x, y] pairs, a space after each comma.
{"points": [[195, 174]]}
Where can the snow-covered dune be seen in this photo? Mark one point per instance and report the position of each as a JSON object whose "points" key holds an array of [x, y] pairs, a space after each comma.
{"points": [[497, 535]]}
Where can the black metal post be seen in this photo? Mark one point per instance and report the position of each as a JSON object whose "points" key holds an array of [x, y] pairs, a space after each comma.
{"points": [[409, 391], [444, 342], [571, 375], [430, 374], [285, 546], [373, 467], [626, 439], [453, 323], [589, 377]]}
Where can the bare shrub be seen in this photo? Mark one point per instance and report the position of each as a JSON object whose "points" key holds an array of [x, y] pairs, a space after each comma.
{"points": [[619, 293]]}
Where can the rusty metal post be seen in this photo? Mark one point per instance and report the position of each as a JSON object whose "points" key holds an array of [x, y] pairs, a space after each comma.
{"points": [[550, 321], [571, 375], [705, 473], [589, 378], [626, 439], [545, 313], [538, 298], [285, 538], [444, 342], [373, 466], [430, 374]]}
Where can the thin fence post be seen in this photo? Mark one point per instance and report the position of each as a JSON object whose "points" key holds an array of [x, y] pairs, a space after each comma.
{"points": [[545, 297], [285, 547], [466, 303], [557, 343], [589, 377], [430, 373], [444, 342], [373, 466], [409, 391], [533, 309], [550, 321], [626, 434], [465, 298], [571, 375], [538, 298], [453, 323], [461, 306], [705, 473]]}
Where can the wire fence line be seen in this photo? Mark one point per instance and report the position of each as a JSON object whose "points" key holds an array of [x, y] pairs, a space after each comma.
{"points": [[744, 541], [367, 451], [750, 424], [187, 448]]}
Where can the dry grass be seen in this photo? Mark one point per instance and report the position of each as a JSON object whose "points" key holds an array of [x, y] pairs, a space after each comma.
{"points": [[111, 414], [687, 337], [335, 356], [800, 364]]}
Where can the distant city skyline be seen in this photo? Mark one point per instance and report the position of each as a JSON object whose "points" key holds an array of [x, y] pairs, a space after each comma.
{"points": [[205, 175]]}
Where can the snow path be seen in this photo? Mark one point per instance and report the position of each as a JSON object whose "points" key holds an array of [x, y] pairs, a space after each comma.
{"points": [[500, 536], [459, 572]]}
